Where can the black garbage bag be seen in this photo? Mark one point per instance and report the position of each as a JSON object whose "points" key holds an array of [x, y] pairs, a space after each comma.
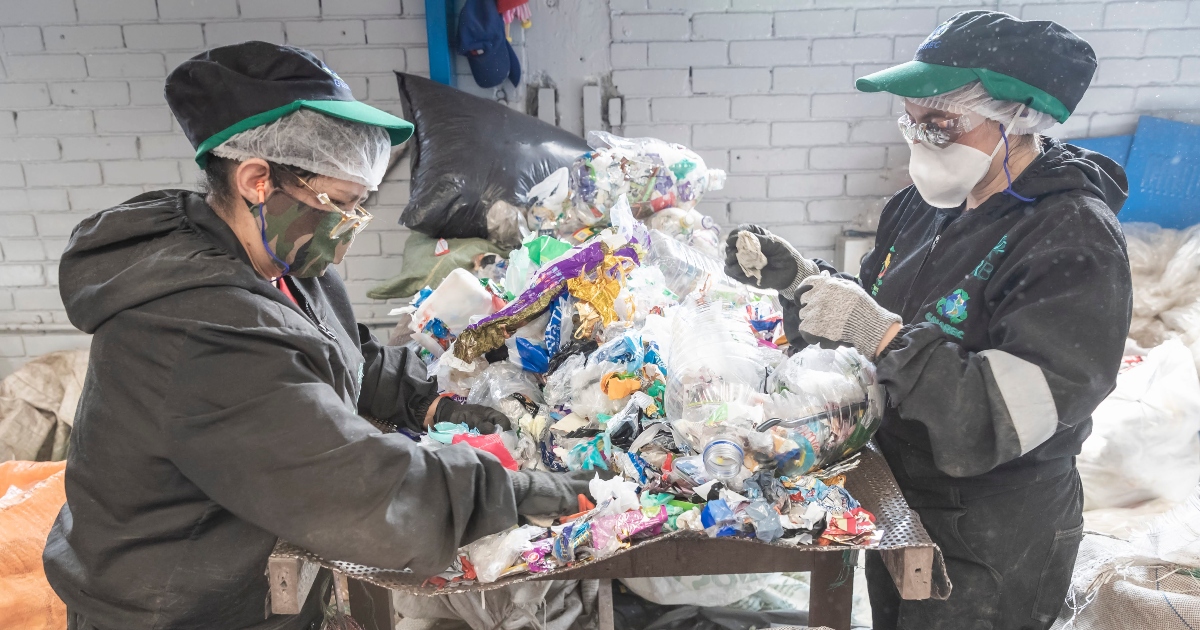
{"points": [[470, 153]]}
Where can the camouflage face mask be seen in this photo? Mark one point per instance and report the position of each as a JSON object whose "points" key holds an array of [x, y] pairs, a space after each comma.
{"points": [[299, 236]]}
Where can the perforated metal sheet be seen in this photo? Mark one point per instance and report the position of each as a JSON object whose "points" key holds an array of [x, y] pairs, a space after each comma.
{"points": [[871, 483]]}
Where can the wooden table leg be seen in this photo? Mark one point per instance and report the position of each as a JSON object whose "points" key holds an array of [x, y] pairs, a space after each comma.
{"points": [[830, 605], [604, 605], [912, 571], [371, 605]]}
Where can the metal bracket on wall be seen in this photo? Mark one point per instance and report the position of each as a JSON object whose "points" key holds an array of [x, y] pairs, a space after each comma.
{"points": [[439, 18]]}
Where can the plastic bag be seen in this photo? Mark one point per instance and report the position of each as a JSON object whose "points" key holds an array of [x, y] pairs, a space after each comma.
{"points": [[654, 174], [696, 230], [506, 388], [824, 405], [1165, 266], [471, 152], [613, 496], [1144, 442], [558, 390], [588, 399], [493, 555], [455, 376], [698, 590]]}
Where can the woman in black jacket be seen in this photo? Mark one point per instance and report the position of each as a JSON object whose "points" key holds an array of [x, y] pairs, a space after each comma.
{"points": [[228, 377], [996, 304]]}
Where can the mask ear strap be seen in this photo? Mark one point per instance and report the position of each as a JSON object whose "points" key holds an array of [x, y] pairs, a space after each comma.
{"points": [[262, 217], [1007, 175]]}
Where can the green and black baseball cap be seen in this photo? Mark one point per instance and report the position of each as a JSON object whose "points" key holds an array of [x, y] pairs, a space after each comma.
{"points": [[230, 89], [1038, 63]]}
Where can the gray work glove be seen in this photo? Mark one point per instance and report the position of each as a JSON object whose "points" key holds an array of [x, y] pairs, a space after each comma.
{"points": [[785, 268], [839, 310], [540, 493], [486, 419]]}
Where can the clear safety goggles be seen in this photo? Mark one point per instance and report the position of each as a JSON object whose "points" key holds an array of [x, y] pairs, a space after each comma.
{"points": [[939, 134], [354, 221]]}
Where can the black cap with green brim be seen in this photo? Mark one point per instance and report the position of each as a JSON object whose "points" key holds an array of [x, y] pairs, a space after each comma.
{"points": [[227, 90], [1038, 63]]}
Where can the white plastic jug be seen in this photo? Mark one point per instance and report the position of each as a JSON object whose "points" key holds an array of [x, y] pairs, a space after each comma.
{"points": [[459, 297]]}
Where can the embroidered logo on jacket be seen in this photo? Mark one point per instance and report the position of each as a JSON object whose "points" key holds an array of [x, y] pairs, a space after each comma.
{"points": [[887, 262], [953, 307], [984, 269]]}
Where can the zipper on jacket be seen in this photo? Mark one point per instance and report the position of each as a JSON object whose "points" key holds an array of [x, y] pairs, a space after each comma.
{"points": [[328, 332], [300, 296], [937, 236]]}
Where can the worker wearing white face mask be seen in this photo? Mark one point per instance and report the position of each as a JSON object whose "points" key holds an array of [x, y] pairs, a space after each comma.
{"points": [[995, 304]]}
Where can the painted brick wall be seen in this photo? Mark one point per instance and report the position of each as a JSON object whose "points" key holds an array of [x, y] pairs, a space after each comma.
{"points": [[762, 88], [765, 89]]}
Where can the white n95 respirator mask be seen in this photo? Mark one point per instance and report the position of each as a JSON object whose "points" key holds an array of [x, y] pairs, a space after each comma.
{"points": [[944, 176]]}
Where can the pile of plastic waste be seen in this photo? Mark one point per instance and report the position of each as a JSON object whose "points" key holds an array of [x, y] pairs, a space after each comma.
{"points": [[628, 350], [661, 181]]}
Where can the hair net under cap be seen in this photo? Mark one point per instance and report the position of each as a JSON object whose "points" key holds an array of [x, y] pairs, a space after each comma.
{"points": [[316, 142], [974, 97]]}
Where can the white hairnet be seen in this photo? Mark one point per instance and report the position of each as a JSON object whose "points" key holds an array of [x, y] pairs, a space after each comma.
{"points": [[316, 142], [974, 97]]}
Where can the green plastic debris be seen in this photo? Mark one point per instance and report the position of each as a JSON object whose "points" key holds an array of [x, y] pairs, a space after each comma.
{"points": [[545, 248]]}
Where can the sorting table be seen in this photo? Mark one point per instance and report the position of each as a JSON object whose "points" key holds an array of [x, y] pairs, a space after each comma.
{"points": [[913, 560]]}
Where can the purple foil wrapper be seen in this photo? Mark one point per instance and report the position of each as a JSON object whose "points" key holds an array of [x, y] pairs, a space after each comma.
{"points": [[541, 557], [554, 278]]}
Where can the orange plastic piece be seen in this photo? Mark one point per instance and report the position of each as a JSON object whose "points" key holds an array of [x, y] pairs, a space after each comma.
{"points": [[617, 387]]}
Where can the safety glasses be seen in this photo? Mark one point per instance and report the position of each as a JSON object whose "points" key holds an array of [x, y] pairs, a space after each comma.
{"points": [[939, 134], [353, 221]]}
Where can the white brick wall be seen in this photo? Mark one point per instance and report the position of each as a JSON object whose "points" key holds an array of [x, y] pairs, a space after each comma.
{"points": [[770, 91], [763, 88]]}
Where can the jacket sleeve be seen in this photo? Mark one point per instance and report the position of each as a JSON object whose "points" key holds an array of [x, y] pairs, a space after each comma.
{"points": [[395, 387], [1060, 314], [252, 420]]}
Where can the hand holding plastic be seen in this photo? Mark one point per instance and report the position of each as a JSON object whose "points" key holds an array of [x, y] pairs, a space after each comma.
{"points": [[785, 268]]}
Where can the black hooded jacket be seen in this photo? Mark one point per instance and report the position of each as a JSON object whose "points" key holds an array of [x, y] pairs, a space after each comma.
{"points": [[1015, 320], [218, 416]]}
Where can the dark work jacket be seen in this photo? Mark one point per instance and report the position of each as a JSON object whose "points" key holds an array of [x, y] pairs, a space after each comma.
{"points": [[218, 416], [1015, 320]]}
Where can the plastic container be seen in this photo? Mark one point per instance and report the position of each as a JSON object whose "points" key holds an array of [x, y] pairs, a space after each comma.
{"points": [[455, 301], [683, 267]]}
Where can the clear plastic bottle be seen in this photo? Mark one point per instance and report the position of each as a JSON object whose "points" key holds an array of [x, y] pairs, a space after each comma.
{"points": [[723, 458], [683, 267]]}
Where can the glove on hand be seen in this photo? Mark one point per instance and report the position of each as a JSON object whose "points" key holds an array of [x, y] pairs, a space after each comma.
{"points": [[839, 310], [541, 493], [785, 268], [486, 419]]}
